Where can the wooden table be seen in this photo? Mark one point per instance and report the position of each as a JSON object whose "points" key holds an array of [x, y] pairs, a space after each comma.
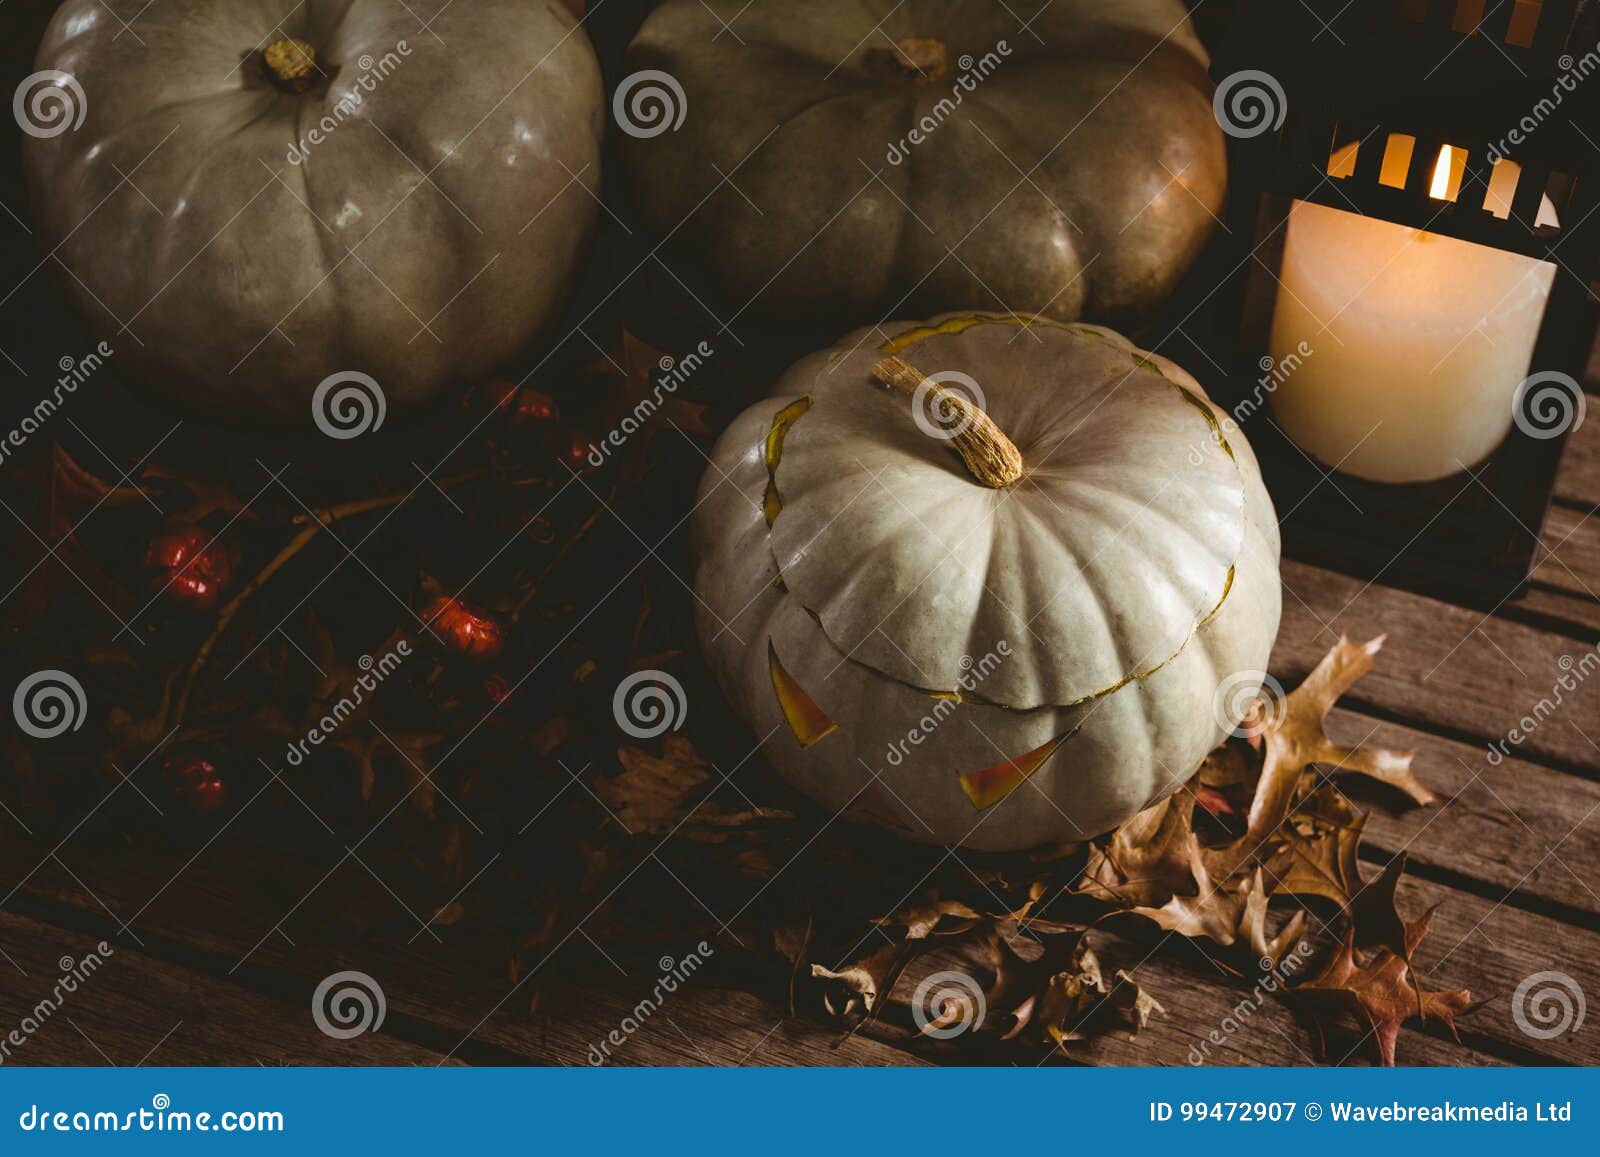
{"points": [[217, 948]]}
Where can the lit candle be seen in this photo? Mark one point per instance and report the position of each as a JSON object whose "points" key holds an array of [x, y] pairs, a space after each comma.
{"points": [[1417, 341]]}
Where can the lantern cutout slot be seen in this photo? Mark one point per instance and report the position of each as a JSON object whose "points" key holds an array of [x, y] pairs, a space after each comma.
{"points": [[1469, 14], [1504, 177], [1524, 23]]}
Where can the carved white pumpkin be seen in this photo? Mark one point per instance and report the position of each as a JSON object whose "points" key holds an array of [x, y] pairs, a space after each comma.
{"points": [[1018, 635]]}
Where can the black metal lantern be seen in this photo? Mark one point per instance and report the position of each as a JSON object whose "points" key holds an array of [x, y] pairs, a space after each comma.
{"points": [[1409, 333]]}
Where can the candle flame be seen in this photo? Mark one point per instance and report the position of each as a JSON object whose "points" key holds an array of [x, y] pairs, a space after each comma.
{"points": [[1441, 174]]}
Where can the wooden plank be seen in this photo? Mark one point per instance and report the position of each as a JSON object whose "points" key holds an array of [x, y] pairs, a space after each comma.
{"points": [[1457, 671], [459, 988], [282, 932], [1570, 556], [1491, 948], [1513, 826], [1210, 1018], [129, 1009], [1578, 480]]}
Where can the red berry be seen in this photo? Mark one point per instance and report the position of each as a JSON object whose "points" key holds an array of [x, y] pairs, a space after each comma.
{"points": [[190, 564], [519, 407], [194, 782], [463, 630]]}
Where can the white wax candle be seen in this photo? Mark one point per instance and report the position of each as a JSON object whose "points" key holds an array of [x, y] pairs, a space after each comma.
{"points": [[1418, 343]]}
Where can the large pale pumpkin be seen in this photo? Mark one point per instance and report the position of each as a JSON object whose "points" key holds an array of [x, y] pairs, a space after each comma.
{"points": [[1023, 643], [412, 201], [842, 161]]}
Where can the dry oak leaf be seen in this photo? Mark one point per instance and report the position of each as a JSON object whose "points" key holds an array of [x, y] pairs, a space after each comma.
{"points": [[1317, 855], [1148, 859], [862, 986], [1292, 736], [928, 918], [1381, 991], [652, 795], [1225, 913], [1064, 993]]}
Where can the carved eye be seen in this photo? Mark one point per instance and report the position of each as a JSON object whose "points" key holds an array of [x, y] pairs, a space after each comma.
{"points": [[806, 719]]}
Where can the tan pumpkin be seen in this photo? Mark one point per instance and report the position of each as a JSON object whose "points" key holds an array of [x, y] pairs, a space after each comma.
{"points": [[1017, 635], [845, 161]]}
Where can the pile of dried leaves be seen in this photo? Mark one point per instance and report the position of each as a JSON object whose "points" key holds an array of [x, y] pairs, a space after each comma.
{"points": [[1262, 821]]}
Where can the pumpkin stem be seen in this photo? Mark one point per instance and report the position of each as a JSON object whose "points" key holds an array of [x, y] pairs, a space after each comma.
{"points": [[290, 64], [917, 58], [990, 457]]}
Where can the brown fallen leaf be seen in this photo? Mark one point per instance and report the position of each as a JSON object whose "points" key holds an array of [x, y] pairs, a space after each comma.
{"points": [[1316, 855], [1147, 860], [1380, 990], [932, 917], [1062, 996], [659, 795], [1292, 736]]}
